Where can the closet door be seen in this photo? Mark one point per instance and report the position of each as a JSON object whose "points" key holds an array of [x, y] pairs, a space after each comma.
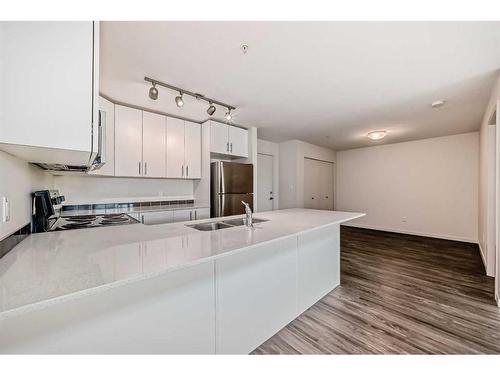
{"points": [[175, 148], [192, 149], [153, 139], [128, 141]]}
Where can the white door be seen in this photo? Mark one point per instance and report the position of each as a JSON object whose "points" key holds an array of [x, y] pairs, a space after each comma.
{"points": [[219, 141], [175, 148], [318, 184], [128, 141], [108, 111], [265, 182], [153, 144], [192, 149], [238, 141], [183, 215]]}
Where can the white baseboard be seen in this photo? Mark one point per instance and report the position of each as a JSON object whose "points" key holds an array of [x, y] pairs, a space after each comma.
{"points": [[483, 258], [432, 235]]}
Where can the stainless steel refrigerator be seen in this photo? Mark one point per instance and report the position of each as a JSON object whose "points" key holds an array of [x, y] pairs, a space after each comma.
{"points": [[231, 183]]}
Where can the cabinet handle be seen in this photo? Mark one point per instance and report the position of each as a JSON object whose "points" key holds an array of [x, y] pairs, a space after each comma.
{"points": [[182, 171], [145, 168], [139, 168], [231, 146], [227, 146], [190, 215], [142, 219], [195, 215], [187, 170]]}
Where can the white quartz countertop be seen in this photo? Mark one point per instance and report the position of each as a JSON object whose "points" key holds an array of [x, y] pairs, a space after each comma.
{"points": [[49, 267]]}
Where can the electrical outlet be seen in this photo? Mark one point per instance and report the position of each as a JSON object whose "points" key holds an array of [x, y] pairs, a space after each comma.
{"points": [[5, 208], [403, 219]]}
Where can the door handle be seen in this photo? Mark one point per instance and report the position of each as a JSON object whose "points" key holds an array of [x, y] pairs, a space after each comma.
{"points": [[271, 198]]}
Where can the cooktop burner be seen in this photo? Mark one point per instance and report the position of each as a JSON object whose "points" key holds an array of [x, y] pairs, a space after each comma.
{"points": [[91, 221]]}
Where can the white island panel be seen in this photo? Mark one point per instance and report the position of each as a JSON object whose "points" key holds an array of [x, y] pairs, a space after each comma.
{"points": [[255, 295], [173, 313]]}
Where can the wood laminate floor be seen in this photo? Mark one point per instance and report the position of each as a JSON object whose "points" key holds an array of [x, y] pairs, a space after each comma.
{"points": [[399, 294]]}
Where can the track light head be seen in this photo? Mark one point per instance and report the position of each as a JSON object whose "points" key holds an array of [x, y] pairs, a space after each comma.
{"points": [[179, 101], [153, 92], [211, 109], [228, 115]]}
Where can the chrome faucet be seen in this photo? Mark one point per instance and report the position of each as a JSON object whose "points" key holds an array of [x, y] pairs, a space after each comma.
{"points": [[248, 214]]}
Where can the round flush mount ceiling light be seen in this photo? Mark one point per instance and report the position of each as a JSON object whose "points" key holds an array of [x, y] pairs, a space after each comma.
{"points": [[377, 134], [438, 103]]}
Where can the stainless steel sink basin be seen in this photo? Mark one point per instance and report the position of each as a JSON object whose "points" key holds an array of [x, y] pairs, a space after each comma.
{"points": [[241, 221], [215, 225], [209, 226]]}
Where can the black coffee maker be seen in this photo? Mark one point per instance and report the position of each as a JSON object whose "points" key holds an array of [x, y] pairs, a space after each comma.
{"points": [[44, 210]]}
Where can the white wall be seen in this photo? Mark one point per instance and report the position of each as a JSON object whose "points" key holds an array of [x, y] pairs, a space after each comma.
{"points": [[292, 154], [18, 180], [89, 189], [486, 223], [427, 187], [273, 149]]}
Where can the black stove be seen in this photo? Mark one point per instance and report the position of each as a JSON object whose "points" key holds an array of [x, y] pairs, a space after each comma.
{"points": [[91, 221]]}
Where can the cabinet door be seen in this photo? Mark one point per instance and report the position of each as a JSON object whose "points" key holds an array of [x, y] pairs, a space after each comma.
{"points": [[201, 213], [108, 110], [192, 150], [175, 148], [46, 84], [153, 144], [128, 141], [183, 215], [219, 141], [238, 141], [160, 217]]}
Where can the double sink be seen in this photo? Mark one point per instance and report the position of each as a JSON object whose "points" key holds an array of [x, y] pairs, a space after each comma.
{"points": [[215, 225]]}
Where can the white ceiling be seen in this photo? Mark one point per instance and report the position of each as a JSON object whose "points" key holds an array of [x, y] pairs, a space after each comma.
{"points": [[327, 83]]}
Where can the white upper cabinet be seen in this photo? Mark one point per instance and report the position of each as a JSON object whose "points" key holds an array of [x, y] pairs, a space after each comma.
{"points": [[192, 149], [219, 138], [238, 141], [107, 110], [153, 144], [175, 148], [228, 140], [48, 95], [183, 149], [128, 141]]}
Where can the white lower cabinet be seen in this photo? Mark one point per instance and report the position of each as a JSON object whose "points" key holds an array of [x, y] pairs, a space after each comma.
{"points": [[201, 213], [159, 217], [183, 215], [169, 314]]}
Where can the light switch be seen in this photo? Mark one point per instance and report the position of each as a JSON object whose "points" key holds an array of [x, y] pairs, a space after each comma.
{"points": [[5, 208]]}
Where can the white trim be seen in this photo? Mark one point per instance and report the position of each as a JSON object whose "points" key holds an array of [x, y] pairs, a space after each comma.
{"points": [[423, 234], [483, 258]]}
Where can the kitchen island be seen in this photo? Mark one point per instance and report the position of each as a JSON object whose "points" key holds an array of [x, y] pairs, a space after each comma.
{"points": [[167, 288]]}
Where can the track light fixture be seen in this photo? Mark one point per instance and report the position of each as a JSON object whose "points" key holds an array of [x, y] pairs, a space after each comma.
{"points": [[153, 92], [211, 109], [178, 100]]}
